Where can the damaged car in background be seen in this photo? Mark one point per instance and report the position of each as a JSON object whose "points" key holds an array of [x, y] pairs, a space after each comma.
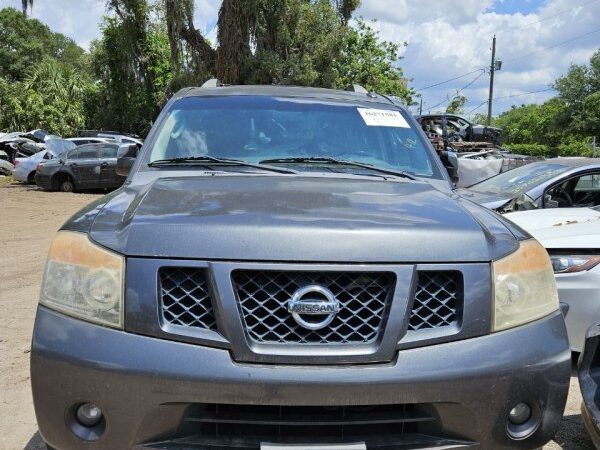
{"points": [[552, 183], [25, 168], [572, 238]]}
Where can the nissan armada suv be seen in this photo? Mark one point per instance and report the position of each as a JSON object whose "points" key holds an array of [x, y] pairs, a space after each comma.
{"points": [[290, 268]]}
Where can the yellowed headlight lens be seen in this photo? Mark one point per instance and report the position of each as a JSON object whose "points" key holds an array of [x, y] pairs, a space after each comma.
{"points": [[84, 280], [524, 286]]}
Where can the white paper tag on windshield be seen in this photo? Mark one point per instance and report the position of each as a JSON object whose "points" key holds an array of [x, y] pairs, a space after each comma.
{"points": [[383, 118]]}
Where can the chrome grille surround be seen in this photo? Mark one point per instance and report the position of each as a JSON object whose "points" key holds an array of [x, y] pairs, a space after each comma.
{"points": [[263, 296]]}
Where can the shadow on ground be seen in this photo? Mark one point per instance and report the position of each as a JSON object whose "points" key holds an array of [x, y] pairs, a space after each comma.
{"points": [[35, 443]]}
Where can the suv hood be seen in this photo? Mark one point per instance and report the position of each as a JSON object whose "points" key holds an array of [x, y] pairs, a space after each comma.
{"points": [[300, 219]]}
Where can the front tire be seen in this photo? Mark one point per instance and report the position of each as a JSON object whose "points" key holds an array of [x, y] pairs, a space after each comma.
{"points": [[67, 185]]}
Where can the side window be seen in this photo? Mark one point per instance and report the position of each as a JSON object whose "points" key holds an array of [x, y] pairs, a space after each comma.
{"points": [[87, 153], [73, 154], [108, 151], [587, 190], [588, 183]]}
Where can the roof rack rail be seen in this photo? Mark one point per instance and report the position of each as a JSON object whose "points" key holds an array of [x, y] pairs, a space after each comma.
{"points": [[212, 83], [357, 88]]}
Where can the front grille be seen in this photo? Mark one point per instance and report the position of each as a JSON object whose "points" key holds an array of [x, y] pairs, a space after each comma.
{"points": [[185, 297], [263, 297], [247, 426], [438, 300]]}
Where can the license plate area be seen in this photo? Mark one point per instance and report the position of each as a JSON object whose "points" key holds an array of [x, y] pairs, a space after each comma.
{"points": [[352, 446]]}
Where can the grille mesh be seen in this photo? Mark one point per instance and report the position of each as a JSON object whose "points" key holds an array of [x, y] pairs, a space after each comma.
{"points": [[185, 297], [363, 297], [438, 300]]}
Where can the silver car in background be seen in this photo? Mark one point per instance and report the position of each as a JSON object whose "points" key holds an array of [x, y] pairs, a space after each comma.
{"points": [[572, 237], [25, 168]]}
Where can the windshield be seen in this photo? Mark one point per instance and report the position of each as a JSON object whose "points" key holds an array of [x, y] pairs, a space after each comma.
{"points": [[260, 128], [518, 181]]}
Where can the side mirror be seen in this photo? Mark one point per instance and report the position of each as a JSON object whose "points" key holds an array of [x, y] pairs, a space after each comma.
{"points": [[450, 161], [126, 156]]}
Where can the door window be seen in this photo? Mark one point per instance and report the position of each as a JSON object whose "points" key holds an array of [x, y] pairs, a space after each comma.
{"points": [[109, 151], [87, 153]]}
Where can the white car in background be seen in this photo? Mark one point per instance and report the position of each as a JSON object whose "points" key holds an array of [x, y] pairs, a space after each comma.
{"points": [[572, 238]]}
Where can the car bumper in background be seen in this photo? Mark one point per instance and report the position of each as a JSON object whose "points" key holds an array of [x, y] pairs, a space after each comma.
{"points": [[148, 387], [21, 174], [581, 291], [589, 381], [43, 181]]}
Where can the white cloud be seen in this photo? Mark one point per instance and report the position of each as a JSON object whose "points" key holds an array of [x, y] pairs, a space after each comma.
{"points": [[455, 38]]}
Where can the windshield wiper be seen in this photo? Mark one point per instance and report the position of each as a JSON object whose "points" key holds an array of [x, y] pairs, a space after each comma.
{"points": [[330, 160], [210, 160]]}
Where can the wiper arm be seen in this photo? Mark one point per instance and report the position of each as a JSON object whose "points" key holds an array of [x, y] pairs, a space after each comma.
{"points": [[330, 160], [207, 160]]}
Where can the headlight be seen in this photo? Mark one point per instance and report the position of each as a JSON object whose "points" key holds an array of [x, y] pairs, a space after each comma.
{"points": [[84, 280], [524, 286], [571, 264]]}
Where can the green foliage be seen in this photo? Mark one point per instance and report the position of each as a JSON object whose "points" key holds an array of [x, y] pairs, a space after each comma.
{"points": [[457, 104], [26, 42], [564, 124], [575, 148], [50, 97], [530, 149], [372, 63], [124, 100]]}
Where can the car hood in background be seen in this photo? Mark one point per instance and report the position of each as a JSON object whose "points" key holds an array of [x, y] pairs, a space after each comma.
{"points": [[490, 200], [299, 219], [556, 228]]}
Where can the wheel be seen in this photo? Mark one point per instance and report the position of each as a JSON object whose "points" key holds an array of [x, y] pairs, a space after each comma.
{"points": [[31, 178], [67, 185]]}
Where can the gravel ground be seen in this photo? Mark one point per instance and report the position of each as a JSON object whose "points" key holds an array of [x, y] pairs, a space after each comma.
{"points": [[28, 220]]}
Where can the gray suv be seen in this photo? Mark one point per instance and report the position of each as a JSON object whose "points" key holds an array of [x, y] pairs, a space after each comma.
{"points": [[291, 268]]}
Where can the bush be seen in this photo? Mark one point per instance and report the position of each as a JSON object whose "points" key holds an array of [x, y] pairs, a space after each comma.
{"points": [[530, 149], [575, 148]]}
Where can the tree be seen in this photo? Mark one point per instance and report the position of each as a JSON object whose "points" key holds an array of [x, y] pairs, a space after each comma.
{"points": [[456, 104], [372, 63], [26, 42]]}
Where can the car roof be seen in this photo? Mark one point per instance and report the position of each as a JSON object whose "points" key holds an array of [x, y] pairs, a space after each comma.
{"points": [[571, 162], [288, 91]]}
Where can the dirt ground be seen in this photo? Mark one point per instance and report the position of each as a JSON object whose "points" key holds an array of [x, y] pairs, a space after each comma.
{"points": [[28, 220]]}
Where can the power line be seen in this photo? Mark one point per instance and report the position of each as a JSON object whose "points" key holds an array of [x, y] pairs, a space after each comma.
{"points": [[448, 81], [553, 46], [460, 90], [524, 93], [476, 108]]}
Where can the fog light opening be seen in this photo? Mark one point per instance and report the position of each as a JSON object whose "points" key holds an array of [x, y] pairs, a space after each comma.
{"points": [[523, 420], [520, 414], [89, 415], [87, 421]]}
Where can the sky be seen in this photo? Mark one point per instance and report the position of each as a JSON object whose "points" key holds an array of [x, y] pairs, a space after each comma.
{"points": [[537, 40]]}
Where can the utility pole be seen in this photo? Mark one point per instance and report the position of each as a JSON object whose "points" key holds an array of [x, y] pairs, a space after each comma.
{"points": [[492, 69], [421, 107]]}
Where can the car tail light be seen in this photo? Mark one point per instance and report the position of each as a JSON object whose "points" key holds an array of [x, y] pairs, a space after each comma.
{"points": [[16, 163], [37, 168]]}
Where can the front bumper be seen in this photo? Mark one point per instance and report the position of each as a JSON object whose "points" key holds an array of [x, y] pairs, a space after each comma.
{"points": [[145, 384], [581, 291]]}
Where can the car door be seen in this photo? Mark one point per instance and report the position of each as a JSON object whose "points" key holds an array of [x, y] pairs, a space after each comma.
{"points": [[108, 166], [85, 167], [575, 190]]}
